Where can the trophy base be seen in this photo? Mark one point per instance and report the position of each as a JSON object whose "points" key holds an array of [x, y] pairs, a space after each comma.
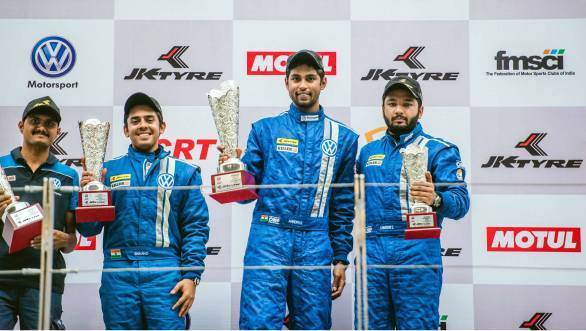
{"points": [[228, 187], [95, 214], [95, 206], [422, 226], [21, 227]]}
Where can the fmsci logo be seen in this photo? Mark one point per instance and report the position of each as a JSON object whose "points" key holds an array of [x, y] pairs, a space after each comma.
{"points": [[53, 56]]}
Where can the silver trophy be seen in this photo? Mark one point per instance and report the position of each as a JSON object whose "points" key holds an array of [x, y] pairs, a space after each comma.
{"points": [[225, 104], [415, 163], [231, 182], [14, 206], [94, 140], [95, 200]]}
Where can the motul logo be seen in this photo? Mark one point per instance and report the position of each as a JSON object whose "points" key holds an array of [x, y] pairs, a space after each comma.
{"points": [[533, 239], [274, 63]]}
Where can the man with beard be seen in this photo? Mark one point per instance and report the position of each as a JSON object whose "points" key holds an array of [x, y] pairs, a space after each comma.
{"points": [[406, 297], [156, 228], [308, 226], [30, 164]]}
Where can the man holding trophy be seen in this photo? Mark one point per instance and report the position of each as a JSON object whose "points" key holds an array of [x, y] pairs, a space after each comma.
{"points": [[403, 222], [30, 164], [306, 226], [158, 227]]}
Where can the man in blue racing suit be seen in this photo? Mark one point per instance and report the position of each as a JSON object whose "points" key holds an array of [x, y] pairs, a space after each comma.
{"points": [[308, 226], [406, 298], [153, 228]]}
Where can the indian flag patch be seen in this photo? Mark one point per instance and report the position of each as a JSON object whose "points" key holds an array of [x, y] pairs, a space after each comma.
{"points": [[115, 253], [264, 218]]}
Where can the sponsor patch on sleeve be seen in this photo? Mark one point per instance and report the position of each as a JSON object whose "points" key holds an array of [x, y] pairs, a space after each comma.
{"points": [[459, 170]]}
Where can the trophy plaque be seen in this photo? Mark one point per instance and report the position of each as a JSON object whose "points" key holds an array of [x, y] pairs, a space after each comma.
{"points": [[228, 185], [95, 200], [421, 220], [22, 222]]}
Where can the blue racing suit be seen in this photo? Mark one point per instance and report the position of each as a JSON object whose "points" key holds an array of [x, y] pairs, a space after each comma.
{"points": [[297, 226], [406, 298], [153, 228]]}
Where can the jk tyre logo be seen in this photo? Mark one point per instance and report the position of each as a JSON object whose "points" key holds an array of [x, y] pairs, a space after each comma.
{"points": [[536, 322], [531, 144], [410, 57], [166, 181], [53, 56], [55, 147], [174, 57]]}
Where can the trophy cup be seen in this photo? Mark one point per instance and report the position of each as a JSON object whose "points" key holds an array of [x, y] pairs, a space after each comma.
{"points": [[22, 222], [95, 200], [422, 220], [228, 184]]}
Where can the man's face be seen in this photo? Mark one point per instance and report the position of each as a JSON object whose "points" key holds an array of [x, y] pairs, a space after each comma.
{"points": [[39, 129], [401, 111], [143, 128], [304, 86]]}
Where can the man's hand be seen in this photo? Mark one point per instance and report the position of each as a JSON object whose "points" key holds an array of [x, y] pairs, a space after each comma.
{"points": [[60, 240], [339, 274], [87, 176], [187, 289], [5, 200], [224, 157], [424, 191]]}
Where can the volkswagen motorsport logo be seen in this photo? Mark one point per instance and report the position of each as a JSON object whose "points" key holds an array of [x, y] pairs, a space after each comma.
{"points": [[410, 58], [166, 181], [53, 57], [329, 147], [549, 62], [531, 145], [173, 57]]}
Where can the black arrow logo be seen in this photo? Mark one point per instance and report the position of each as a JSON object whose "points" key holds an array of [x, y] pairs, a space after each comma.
{"points": [[536, 322], [410, 57], [531, 144], [174, 57], [55, 148]]}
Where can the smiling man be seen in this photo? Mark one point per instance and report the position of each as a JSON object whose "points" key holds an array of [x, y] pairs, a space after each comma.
{"points": [[30, 164], [310, 226], [160, 227], [406, 297]]}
